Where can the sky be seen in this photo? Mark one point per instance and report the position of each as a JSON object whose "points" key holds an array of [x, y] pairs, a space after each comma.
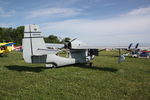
{"points": [[91, 21]]}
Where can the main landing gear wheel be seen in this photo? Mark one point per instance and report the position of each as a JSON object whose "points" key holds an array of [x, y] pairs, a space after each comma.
{"points": [[50, 65]]}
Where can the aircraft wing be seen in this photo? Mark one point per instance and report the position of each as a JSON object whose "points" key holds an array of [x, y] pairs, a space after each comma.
{"points": [[100, 47], [54, 45], [123, 47], [58, 46], [8, 44]]}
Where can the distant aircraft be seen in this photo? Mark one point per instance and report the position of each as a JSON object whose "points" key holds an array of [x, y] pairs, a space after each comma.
{"points": [[6, 47], [35, 50], [17, 48], [138, 52]]}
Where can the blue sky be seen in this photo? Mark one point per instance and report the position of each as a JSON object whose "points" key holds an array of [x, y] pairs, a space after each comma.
{"points": [[92, 21]]}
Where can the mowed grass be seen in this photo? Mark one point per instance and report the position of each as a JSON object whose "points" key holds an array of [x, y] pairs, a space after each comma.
{"points": [[106, 80]]}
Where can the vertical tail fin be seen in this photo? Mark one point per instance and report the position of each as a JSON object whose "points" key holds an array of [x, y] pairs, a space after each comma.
{"points": [[32, 41]]}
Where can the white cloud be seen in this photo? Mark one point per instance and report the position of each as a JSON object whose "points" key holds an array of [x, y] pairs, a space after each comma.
{"points": [[6, 13], [139, 12], [54, 12], [6, 25], [118, 30]]}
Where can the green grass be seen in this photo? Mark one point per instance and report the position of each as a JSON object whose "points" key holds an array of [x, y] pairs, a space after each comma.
{"points": [[106, 80]]}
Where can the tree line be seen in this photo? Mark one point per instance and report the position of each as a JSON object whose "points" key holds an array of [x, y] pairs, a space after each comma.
{"points": [[12, 34], [16, 35]]}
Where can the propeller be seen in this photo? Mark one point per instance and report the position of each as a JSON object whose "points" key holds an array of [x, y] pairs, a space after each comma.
{"points": [[67, 44], [133, 51]]}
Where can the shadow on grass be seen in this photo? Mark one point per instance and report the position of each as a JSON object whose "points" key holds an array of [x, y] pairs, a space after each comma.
{"points": [[3, 55], [39, 69], [25, 68], [108, 69], [109, 55]]}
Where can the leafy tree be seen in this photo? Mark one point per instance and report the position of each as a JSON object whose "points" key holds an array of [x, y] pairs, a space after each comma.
{"points": [[12, 35], [65, 39], [52, 39], [55, 39]]}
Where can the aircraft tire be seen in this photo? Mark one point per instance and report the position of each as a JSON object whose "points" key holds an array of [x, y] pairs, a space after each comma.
{"points": [[54, 65]]}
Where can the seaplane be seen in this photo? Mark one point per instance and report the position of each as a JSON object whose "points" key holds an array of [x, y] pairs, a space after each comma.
{"points": [[35, 50], [6, 47]]}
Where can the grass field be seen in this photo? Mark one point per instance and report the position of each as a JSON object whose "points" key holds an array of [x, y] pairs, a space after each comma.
{"points": [[106, 80]]}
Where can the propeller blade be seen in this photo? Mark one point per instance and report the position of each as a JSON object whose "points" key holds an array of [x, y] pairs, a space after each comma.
{"points": [[73, 39], [129, 47], [60, 38], [136, 45], [62, 41]]}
